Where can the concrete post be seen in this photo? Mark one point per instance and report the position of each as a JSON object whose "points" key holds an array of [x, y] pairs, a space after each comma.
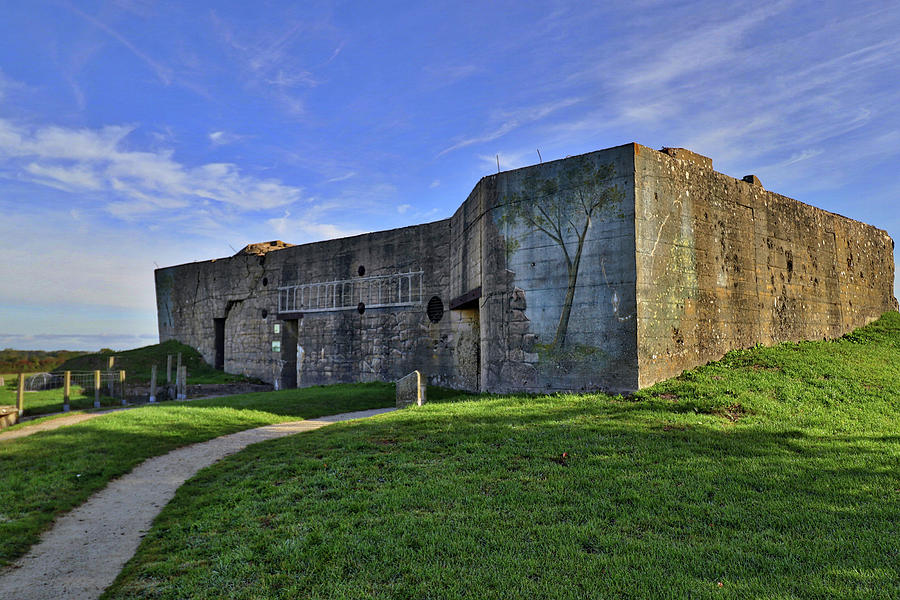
{"points": [[20, 395], [122, 386], [96, 389], [179, 360], [153, 384], [178, 383], [67, 389], [184, 382], [111, 363], [169, 369]]}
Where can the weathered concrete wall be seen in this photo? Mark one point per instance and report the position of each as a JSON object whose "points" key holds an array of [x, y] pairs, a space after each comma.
{"points": [[518, 262], [723, 263], [339, 346]]}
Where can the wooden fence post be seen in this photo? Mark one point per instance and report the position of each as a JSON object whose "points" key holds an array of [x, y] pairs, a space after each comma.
{"points": [[20, 395], [153, 384], [67, 389], [96, 389]]}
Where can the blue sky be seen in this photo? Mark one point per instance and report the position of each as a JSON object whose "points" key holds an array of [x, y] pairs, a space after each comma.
{"points": [[136, 133]]}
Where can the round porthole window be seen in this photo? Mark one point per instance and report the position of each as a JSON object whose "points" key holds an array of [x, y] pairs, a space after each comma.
{"points": [[361, 270], [361, 307], [435, 309]]}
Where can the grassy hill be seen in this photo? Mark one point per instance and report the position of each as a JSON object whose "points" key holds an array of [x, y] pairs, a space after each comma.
{"points": [[773, 473], [138, 362]]}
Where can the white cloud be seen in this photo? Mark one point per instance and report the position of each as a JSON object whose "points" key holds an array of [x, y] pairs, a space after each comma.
{"points": [[307, 228], [435, 183], [344, 177], [403, 208], [222, 138], [97, 160], [77, 177]]}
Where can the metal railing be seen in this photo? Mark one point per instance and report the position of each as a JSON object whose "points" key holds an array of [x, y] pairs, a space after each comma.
{"points": [[377, 291]]}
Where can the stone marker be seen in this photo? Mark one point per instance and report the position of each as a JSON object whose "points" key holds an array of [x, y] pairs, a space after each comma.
{"points": [[411, 390], [2, 381], [96, 389], [169, 369]]}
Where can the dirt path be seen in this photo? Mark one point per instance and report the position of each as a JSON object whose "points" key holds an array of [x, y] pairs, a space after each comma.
{"points": [[82, 553]]}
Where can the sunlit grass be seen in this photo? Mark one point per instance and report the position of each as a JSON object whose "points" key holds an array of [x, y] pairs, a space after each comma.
{"points": [[772, 474], [51, 472]]}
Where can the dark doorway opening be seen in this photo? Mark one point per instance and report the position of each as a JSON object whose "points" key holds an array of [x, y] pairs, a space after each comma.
{"points": [[219, 326], [289, 333]]}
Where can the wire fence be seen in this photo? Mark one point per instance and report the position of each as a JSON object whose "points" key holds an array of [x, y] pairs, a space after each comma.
{"points": [[85, 379]]}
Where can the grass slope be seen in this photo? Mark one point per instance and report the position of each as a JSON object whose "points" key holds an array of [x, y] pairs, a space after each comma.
{"points": [[771, 474], [51, 472], [138, 362]]}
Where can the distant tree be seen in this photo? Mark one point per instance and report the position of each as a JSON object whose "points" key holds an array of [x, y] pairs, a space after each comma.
{"points": [[563, 210]]}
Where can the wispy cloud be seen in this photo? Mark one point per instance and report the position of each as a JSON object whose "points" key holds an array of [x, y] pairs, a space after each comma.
{"points": [[344, 177], [162, 72], [223, 138], [511, 120]]}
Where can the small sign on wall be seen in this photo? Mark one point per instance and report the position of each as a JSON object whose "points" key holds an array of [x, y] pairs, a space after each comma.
{"points": [[277, 327], [276, 346]]}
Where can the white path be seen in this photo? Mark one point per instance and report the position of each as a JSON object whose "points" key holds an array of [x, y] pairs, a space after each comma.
{"points": [[84, 551]]}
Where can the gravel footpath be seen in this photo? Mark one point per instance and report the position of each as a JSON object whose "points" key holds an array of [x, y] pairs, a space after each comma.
{"points": [[81, 555]]}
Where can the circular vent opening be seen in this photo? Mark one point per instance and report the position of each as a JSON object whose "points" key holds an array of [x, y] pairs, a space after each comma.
{"points": [[265, 281], [265, 313], [435, 309], [361, 307], [361, 270]]}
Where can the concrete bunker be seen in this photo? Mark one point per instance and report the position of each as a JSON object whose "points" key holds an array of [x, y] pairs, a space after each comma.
{"points": [[610, 270]]}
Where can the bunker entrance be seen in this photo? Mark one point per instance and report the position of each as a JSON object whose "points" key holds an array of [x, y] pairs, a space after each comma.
{"points": [[289, 353], [219, 326], [468, 348]]}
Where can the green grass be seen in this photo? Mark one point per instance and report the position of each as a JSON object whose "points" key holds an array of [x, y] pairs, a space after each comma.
{"points": [[138, 363], [51, 472], [51, 401], [37, 420], [774, 473]]}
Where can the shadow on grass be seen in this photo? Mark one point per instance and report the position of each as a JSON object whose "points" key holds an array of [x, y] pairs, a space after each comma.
{"points": [[50, 472], [535, 498]]}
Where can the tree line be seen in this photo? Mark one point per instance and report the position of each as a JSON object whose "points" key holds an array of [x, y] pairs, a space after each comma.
{"points": [[14, 361]]}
